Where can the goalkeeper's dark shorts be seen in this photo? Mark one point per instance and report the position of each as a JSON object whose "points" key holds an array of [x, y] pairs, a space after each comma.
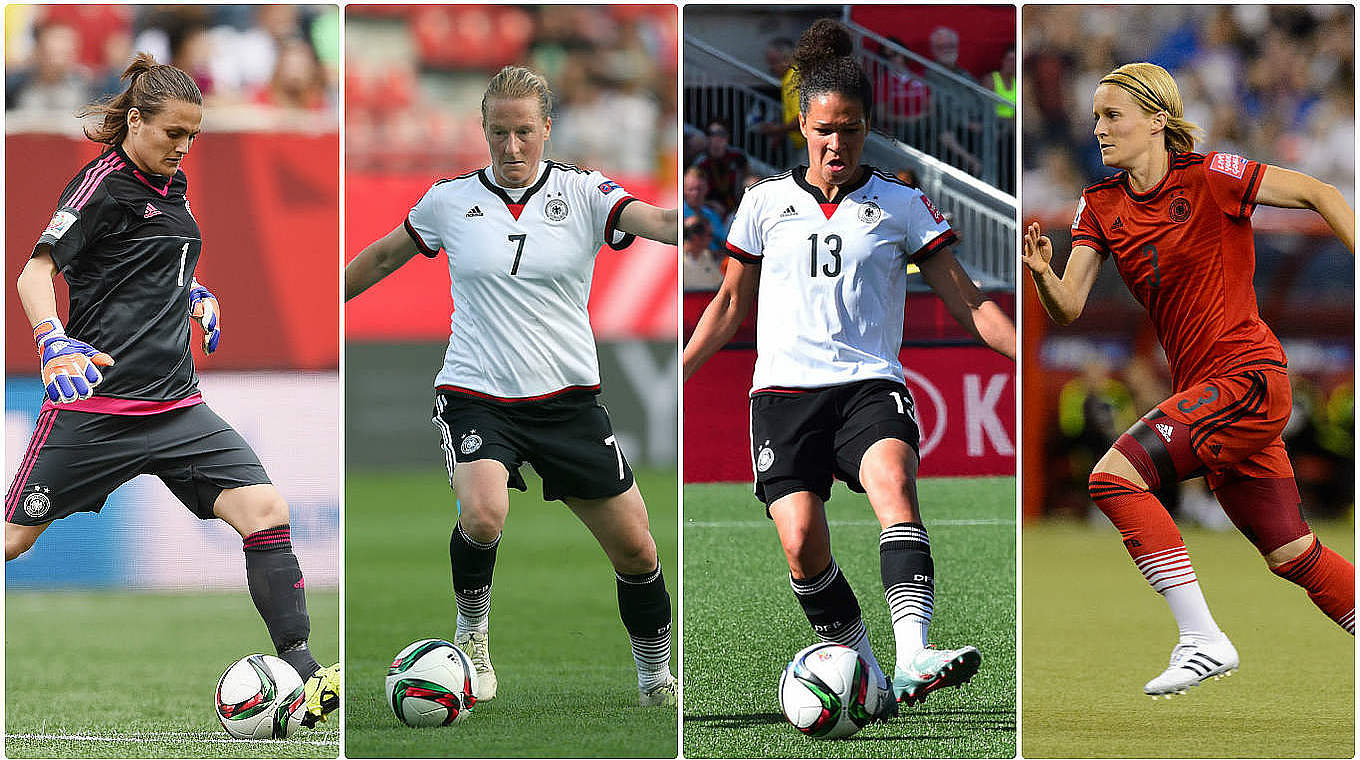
{"points": [[76, 459], [567, 439]]}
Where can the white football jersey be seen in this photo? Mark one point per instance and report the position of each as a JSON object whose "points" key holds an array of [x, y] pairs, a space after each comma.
{"points": [[833, 279], [520, 264]]}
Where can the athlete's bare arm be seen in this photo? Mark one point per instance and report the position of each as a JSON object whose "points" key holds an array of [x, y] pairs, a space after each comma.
{"points": [[724, 314], [1063, 297], [36, 293], [977, 314], [1290, 189], [381, 258], [645, 220]]}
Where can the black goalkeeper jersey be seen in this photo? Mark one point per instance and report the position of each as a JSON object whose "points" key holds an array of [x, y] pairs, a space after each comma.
{"points": [[127, 244]]}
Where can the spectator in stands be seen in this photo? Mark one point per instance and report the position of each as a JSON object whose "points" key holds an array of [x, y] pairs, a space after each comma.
{"points": [[55, 82], [903, 97], [723, 166], [1002, 82], [696, 188], [298, 81], [958, 134], [784, 132], [944, 50], [701, 268]]}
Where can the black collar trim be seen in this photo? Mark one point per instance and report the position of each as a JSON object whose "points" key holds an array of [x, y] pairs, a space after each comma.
{"points": [[499, 191], [800, 177], [163, 190]]}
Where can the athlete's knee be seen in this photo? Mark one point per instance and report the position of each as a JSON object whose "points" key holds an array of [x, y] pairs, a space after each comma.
{"points": [[636, 557], [269, 508], [480, 519]]}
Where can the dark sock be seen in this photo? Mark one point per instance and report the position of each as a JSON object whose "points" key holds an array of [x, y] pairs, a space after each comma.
{"points": [[645, 607], [472, 563], [276, 587]]}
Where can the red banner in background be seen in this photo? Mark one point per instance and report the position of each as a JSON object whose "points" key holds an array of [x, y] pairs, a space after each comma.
{"points": [[965, 404], [634, 293], [267, 205]]}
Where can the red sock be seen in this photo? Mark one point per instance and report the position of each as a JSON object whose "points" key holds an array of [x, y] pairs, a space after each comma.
{"points": [[1329, 580], [1148, 531]]}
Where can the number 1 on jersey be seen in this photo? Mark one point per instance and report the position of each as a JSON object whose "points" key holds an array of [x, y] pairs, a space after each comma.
{"points": [[514, 268], [183, 254]]}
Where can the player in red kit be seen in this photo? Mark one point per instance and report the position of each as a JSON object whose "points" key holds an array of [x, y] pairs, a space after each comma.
{"points": [[1177, 225]]}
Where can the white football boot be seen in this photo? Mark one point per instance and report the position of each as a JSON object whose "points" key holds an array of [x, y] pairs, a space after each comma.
{"points": [[1192, 663], [661, 695], [478, 649], [886, 707]]}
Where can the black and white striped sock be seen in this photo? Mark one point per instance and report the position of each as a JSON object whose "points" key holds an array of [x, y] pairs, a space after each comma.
{"points": [[909, 585], [645, 607], [473, 562], [834, 613]]}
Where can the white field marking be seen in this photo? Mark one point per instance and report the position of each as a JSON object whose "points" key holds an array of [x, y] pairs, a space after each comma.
{"points": [[166, 736], [846, 523]]}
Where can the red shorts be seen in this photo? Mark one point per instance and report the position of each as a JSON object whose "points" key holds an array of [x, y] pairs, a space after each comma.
{"points": [[1235, 423]]}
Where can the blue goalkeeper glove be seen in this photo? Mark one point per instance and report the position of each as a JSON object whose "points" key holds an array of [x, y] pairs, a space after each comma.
{"points": [[204, 310], [70, 367]]}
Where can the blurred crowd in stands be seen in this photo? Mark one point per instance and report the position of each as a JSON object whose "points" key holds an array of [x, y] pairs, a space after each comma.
{"points": [[415, 75], [259, 66], [1271, 82]]}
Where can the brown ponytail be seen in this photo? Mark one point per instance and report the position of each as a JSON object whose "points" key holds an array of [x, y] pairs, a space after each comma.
{"points": [[150, 86]]}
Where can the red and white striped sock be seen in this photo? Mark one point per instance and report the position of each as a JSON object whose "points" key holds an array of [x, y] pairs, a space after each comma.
{"points": [[1151, 537]]}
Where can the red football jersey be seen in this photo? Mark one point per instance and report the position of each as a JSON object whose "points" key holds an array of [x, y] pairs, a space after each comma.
{"points": [[1185, 250]]}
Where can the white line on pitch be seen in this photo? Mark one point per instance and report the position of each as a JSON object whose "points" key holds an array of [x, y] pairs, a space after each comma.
{"points": [[846, 523], [164, 736]]}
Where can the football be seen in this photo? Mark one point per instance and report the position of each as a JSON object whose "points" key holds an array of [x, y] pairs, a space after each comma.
{"points": [[825, 692], [429, 683], [260, 697]]}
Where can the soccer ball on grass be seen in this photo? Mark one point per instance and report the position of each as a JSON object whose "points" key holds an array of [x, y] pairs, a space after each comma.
{"points": [[260, 697], [430, 684], [826, 693]]}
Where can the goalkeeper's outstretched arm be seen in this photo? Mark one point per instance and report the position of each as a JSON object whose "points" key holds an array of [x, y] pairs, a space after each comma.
{"points": [[381, 258]]}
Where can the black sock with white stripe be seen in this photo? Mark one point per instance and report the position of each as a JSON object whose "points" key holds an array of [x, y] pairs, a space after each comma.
{"points": [[909, 584], [833, 611], [472, 562], [645, 607]]}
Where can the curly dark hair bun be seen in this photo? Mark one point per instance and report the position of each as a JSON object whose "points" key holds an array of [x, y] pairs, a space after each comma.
{"points": [[824, 41], [826, 63]]}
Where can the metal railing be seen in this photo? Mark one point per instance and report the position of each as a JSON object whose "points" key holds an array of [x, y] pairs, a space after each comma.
{"points": [[718, 86], [941, 113]]}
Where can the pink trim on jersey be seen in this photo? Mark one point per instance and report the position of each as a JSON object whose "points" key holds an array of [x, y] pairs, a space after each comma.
{"points": [[125, 406], [539, 397], [44, 427], [163, 192], [93, 177]]}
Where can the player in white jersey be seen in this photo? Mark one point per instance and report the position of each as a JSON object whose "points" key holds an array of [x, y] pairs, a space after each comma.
{"points": [[825, 248], [520, 375]]}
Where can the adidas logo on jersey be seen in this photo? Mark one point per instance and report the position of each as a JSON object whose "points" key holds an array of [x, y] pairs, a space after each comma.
{"points": [[151, 211], [474, 211], [1165, 430], [1118, 224], [790, 211]]}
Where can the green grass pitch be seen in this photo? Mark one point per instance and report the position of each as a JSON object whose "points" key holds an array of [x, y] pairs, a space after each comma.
{"points": [[124, 674], [742, 623], [568, 687], [1094, 633]]}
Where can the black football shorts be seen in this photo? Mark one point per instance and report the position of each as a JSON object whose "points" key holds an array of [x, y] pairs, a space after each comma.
{"points": [[567, 439], [801, 439], [76, 459]]}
